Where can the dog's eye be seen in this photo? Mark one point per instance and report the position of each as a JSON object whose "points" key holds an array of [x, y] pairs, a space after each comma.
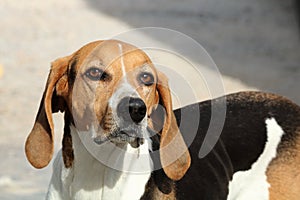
{"points": [[146, 78], [96, 74]]}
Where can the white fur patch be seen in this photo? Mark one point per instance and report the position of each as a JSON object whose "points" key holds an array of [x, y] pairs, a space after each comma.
{"points": [[122, 60], [252, 184], [91, 179]]}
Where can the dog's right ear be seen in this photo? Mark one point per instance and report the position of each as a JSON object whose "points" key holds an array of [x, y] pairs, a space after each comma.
{"points": [[174, 154], [39, 145]]}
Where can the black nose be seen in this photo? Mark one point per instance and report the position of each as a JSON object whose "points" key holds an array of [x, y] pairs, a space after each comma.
{"points": [[132, 109]]}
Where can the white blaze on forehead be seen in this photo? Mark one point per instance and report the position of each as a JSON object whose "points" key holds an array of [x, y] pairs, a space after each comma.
{"points": [[253, 184], [124, 88], [122, 60]]}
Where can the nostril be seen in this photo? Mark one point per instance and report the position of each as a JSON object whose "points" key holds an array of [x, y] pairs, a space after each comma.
{"points": [[132, 109], [137, 109]]}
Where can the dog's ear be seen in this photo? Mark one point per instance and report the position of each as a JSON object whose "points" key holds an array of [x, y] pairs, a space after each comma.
{"points": [[174, 154], [39, 144]]}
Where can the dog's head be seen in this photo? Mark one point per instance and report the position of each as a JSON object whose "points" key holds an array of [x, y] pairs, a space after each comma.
{"points": [[114, 88]]}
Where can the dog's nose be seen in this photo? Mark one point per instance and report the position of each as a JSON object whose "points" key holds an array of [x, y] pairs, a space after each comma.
{"points": [[132, 109]]}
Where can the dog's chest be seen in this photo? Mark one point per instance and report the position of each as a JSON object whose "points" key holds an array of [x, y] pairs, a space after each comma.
{"points": [[111, 186], [122, 176]]}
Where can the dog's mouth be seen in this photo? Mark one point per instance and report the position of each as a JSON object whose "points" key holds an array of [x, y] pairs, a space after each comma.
{"points": [[122, 137], [128, 137]]}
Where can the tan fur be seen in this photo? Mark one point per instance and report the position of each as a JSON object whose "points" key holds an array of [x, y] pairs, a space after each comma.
{"points": [[86, 101], [175, 157], [154, 193], [158, 195], [284, 174], [39, 144]]}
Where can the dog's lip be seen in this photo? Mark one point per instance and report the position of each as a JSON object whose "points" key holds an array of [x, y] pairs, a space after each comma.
{"points": [[121, 137], [128, 137], [100, 140]]}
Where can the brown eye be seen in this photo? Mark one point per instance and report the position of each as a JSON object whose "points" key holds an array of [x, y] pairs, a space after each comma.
{"points": [[146, 78], [96, 74]]}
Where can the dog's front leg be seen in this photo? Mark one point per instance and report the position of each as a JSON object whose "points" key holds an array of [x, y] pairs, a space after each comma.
{"points": [[59, 187]]}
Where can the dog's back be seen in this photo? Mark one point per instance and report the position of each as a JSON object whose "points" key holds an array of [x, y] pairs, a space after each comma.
{"points": [[257, 155]]}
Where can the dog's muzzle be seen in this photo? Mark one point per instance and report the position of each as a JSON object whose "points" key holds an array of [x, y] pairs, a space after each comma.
{"points": [[131, 111]]}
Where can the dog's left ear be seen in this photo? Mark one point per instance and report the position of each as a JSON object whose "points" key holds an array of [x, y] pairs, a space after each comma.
{"points": [[39, 143], [174, 154]]}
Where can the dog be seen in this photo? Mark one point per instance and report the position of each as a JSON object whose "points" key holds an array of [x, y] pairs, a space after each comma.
{"points": [[122, 139]]}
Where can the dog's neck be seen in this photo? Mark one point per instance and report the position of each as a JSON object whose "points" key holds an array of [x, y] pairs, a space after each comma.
{"points": [[108, 171]]}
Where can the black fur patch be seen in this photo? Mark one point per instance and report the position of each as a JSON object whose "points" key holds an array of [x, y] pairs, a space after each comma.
{"points": [[67, 147], [72, 72]]}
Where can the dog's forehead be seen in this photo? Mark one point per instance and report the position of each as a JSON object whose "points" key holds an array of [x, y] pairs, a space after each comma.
{"points": [[112, 53]]}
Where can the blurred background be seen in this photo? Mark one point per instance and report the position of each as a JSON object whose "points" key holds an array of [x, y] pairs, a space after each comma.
{"points": [[255, 45]]}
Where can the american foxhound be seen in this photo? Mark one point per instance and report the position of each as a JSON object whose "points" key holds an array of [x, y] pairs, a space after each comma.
{"points": [[118, 111]]}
